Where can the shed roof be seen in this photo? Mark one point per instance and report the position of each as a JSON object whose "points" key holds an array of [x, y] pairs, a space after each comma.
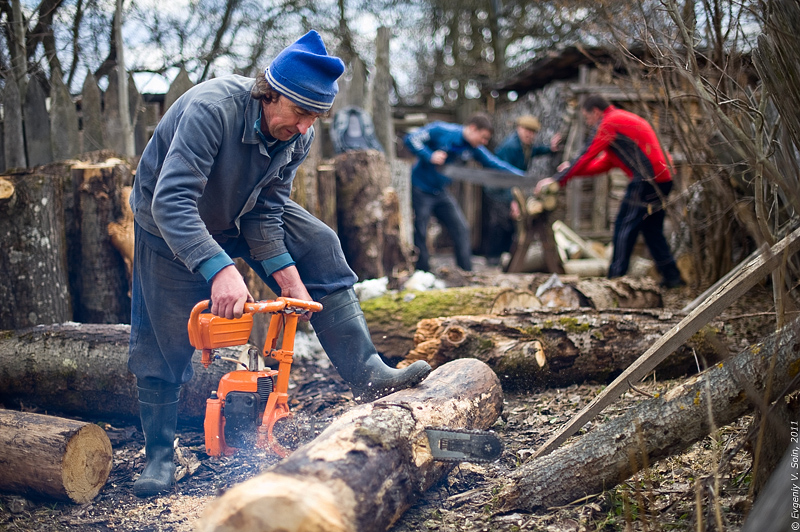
{"points": [[553, 66]]}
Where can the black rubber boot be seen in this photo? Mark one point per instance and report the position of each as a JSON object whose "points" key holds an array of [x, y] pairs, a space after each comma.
{"points": [[158, 409], [342, 331]]}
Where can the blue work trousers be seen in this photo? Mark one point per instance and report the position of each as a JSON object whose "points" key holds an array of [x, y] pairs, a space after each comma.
{"points": [[164, 291], [447, 211], [641, 211]]}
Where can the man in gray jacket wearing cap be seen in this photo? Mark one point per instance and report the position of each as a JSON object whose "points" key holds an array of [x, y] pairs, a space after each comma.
{"points": [[213, 184]]}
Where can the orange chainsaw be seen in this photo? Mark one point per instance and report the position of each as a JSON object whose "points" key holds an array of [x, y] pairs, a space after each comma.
{"points": [[248, 403]]}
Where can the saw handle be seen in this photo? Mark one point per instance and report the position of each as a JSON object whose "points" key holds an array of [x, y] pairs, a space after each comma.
{"points": [[292, 303]]}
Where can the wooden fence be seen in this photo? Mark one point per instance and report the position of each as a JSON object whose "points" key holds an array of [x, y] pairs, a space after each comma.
{"points": [[40, 127]]}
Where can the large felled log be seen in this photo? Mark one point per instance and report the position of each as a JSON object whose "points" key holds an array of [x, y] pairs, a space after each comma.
{"points": [[81, 369], [657, 428], [558, 347], [368, 466], [52, 457]]}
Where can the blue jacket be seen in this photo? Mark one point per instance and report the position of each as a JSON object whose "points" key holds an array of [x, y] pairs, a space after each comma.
{"points": [[206, 176], [449, 138]]}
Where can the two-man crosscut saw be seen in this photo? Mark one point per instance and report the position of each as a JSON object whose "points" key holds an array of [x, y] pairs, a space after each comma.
{"points": [[486, 177]]}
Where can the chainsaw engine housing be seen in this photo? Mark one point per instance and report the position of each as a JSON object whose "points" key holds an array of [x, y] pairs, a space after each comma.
{"points": [[235, 410]]}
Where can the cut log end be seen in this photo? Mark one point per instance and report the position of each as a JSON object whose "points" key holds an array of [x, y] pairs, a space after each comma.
{"points": [[52, 457], [6, 189], [86, 464], [303, 506]]}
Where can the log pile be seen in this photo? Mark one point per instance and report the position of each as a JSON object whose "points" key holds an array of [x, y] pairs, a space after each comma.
{"points": [[366, 468], [46, 456]]}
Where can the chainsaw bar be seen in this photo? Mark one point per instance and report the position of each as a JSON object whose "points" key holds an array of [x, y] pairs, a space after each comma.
{"points": [[463, 445]]}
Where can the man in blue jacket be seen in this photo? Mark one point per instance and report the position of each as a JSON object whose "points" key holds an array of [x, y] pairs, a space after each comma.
{"points": [[213, 184], [434, 145]]}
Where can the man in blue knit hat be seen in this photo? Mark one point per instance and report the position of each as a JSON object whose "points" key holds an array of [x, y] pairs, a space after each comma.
{"points": [[213, 184]]}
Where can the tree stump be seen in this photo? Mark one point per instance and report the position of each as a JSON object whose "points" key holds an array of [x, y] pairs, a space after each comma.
{"points": [[33, 257], [99, 270], [52, 457], [361, 178]]}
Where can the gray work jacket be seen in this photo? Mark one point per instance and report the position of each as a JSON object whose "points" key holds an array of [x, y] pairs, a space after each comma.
{"points": [[205, 176]]}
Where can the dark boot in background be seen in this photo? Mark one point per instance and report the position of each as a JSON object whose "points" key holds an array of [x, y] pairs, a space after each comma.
{"points": [[158, 409], [342, 330]]}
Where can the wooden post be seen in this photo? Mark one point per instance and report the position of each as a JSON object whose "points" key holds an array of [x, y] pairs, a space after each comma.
{"points": [[63, 121], [128, 148], [53, 457], [92, 115], [13, 135], [179, 85], [138, 117], [37, 125], [381, 88], [114, 139]]}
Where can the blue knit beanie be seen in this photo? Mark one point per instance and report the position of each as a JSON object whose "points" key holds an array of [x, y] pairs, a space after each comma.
{"points": [[306, 74]]}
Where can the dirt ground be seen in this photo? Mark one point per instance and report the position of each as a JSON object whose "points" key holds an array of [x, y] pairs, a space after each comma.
{"points": [[661, 498]]}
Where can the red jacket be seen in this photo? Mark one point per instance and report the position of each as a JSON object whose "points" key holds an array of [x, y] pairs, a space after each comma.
{"points": [[623, 140]]}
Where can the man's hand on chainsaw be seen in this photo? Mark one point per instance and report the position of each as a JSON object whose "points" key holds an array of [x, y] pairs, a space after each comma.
{"points": [[229, 293], [292, 286]]}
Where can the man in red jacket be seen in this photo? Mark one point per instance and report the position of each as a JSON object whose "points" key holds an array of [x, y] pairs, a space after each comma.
{"points": [[625, 140]]}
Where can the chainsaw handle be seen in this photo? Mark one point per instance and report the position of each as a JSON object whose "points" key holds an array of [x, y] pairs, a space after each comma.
{"points": [[264, 306], [311, 306], [276, 305]]}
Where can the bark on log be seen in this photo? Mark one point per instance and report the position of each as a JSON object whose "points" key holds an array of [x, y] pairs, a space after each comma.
{"points": [[33, 257], [656, 428], [81, 370], [559, 347], [366, 468], [52, 457], [361, 177]]}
